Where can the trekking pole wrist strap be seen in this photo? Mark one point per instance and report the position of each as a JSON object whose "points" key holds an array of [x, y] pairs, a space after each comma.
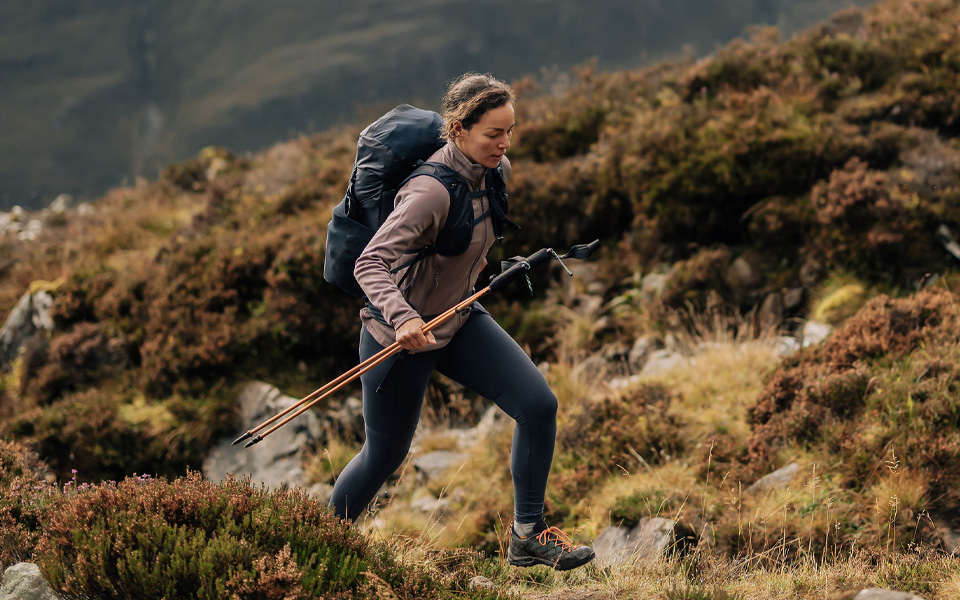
{"points": [[521, 267]]}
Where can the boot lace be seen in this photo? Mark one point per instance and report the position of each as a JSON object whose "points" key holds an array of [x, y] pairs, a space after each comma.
{"points": [[557, 536]]}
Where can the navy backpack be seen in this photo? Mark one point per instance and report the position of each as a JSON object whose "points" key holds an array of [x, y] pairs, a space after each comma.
{"points": [[390, 151]]}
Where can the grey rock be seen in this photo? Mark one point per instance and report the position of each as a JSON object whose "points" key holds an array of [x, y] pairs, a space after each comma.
{"points": [[347, 422], [651, 538], [480, 582], [742, 274], [815, 332], [770, 314], [949, 539], [436, 464], [778, 479], [792, 298], [592, 367], [30, 315], [61, 203], [23, 581], [652, 286], [640, 352], [276, 461], [428, 505], [664, 360], [786, 345], [878, 594]]}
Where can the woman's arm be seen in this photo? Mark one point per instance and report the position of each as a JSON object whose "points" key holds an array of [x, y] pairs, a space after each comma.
{"points": [[421, 210]]}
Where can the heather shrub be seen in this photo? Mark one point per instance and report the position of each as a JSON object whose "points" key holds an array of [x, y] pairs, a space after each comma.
{"points": [[24, 502], [610, 434], [188, 538], [92, 431]]}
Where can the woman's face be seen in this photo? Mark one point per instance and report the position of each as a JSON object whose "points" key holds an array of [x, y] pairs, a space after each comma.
{"points": [[487, 141]]}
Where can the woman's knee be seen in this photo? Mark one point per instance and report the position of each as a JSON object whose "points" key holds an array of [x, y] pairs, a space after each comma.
{"points": [[540, 406]]}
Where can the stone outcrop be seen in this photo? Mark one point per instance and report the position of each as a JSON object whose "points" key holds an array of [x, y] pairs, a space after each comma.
{"points": [[276, 461], [23, 581], [778, 479], [648, 540], [30, 316]]}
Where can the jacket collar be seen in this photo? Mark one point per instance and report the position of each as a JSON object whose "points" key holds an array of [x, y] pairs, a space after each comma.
{"points": [[471, 172]]}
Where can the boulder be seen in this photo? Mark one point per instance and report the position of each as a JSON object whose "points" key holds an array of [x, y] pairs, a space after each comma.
{"points": [[23, 581], [640, 352], [815, 332], [770, 315], [276, 461], [743, 274], [661, 361], [436, 464], [480, 582], [650, 539], [778, 479], [30, 315]]}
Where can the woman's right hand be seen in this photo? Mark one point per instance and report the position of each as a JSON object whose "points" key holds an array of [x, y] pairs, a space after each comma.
{"points": [[410, 335]]}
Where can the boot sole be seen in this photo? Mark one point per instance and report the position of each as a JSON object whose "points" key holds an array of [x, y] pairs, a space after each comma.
{"points": [[530, 561]]}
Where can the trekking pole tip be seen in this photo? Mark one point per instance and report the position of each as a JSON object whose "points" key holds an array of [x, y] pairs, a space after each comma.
{"points": [[255, 440], [241, 438]]}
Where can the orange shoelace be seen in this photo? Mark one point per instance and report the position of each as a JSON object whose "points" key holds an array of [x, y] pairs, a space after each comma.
{"points": [[558, 536]]}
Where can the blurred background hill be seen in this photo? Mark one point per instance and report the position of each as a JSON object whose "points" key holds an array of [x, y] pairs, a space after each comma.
{"points": [[95, 94]]}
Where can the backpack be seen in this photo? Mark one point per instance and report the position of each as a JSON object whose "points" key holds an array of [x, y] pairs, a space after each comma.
{"points": [[390, 151]]}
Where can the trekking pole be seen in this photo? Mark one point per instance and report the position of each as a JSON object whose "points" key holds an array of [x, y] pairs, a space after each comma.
{"points": [[519, 266]]}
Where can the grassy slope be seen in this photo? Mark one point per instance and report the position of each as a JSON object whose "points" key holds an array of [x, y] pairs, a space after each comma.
{"points": [[191, 275]]}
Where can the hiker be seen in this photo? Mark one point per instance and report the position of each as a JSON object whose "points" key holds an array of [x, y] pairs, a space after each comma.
{"points": [[470, 348]]}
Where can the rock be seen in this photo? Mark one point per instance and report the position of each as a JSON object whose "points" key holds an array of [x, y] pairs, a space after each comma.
{"points": [[31, 314], [778, 479], [814, 332], [652, 286], [742, 275], [770, 314], [792, 298], [436, 464], [23, 581], [347, 422], [661, 361], [274, 462], [786, 345], [640, 351], [949, 539], [592, 367], [321, 492], [878, 594], [438, 508], [650, 539], [480, 582], [61, 203]]}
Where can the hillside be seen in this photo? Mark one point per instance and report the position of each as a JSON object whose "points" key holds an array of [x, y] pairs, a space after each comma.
{"points": [[98, 93], [737, 197]]}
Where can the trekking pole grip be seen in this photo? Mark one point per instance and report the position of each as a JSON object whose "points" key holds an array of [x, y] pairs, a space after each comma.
{"points": [[520, 268]]}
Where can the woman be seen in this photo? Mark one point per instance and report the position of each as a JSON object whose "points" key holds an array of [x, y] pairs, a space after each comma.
{"points": [[470, 348]]}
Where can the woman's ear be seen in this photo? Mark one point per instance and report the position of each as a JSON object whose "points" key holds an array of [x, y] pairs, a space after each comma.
{"points": [[457, 127]]}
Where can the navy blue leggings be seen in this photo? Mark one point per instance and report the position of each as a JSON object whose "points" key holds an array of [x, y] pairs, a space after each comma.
{"points": [[484, 359]]}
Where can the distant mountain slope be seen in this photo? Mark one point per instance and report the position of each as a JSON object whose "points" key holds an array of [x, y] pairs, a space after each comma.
{"points": [[96, 92]]}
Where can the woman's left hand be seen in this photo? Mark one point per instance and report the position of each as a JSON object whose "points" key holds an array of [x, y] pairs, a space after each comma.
{"points": [[410, 335]]}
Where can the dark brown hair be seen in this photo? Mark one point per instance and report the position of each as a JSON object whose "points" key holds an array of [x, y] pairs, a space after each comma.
{"points": [[469, 97]]}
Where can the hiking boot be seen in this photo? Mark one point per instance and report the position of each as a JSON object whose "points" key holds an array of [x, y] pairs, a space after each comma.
{"points": [[547, 546]]}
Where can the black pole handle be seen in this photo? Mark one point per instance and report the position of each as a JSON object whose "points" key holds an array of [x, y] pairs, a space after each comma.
{"points": [[521, 266]]}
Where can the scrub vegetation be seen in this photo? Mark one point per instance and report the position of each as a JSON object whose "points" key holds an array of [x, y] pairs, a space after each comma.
{"points": [[828, 163]]}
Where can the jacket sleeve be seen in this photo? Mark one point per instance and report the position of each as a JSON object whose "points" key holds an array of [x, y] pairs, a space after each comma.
{"points": [[421, 210]]}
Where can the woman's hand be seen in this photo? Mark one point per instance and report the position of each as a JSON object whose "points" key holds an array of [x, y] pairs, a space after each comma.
{"points": [[410, 335]]}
